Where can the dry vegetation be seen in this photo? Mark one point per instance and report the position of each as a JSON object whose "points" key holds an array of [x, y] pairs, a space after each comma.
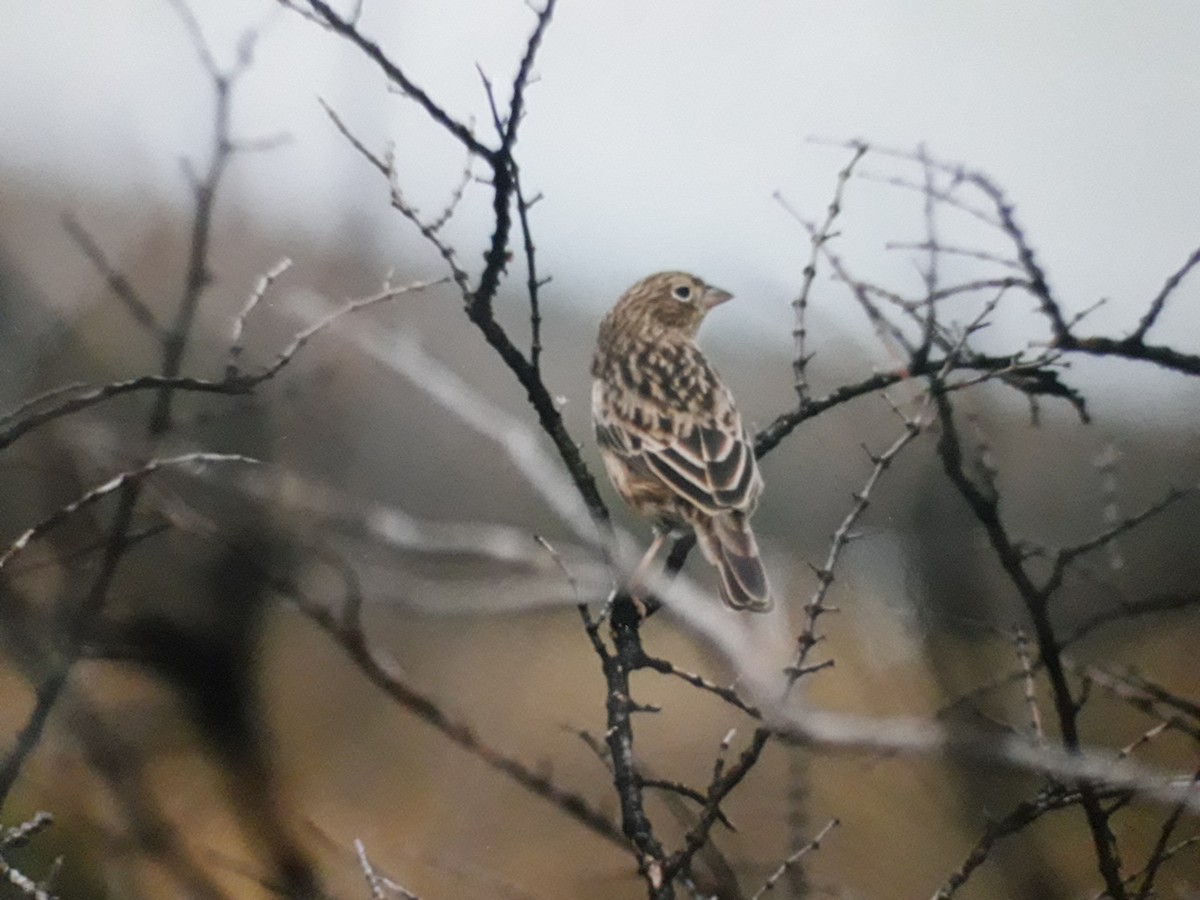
{"points": [[316, 610]]}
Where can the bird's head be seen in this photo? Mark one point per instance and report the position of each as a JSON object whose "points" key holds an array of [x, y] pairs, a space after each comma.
{"points": [[668, 302]]}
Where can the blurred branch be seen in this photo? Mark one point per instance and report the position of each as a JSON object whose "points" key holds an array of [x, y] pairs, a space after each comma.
{"points": [[1035, 714], [519, 442], [15, 838], [239, 322], [347, 633], [1064, 557], [121, 287], [1166, 357], [116, 483], [204, 191], [382, 887], [346, 630], [50, 687], [1162, 850], [949, 249], [1132, 610], [814, 844], [985, 507], [26, 418], [118, 763], [127, 485], [1178, 713], [1023, 815], [23, 420], [1124, 611], [1160, 301]]}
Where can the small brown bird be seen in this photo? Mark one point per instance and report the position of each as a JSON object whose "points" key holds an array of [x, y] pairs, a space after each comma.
{"points": [[670, 436]]}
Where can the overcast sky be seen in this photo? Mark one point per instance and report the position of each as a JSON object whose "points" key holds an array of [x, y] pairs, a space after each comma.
{"points": [[659, 129]]}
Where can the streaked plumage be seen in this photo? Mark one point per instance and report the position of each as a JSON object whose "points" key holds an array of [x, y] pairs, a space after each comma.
{"points": [[670, 435]]}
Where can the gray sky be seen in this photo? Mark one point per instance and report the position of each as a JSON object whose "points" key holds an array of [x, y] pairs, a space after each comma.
{"points": [[660, 128]]}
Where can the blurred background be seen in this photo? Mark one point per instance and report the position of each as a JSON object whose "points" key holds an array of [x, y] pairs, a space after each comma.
{"points": [[658, 134]]}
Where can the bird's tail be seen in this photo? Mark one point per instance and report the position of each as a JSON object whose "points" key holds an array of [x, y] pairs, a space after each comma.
{"points": [[729, 544]]}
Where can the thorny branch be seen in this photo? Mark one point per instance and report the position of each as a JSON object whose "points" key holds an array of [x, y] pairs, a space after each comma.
{"points": [[1031, 375], [818, 238], [985, 506], [622, 654]]}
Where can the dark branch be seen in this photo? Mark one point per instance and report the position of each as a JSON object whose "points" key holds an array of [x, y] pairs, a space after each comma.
{"points": [[349, 30]]}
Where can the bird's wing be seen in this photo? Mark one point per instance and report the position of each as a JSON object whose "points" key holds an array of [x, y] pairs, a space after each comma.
{"points": [[704, 457]]}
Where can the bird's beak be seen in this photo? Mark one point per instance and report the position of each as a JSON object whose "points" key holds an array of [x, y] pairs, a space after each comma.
{"points": [[715, 297]]}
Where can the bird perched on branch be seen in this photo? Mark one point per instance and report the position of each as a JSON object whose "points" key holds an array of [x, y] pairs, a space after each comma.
{"points": [[670, 435]]}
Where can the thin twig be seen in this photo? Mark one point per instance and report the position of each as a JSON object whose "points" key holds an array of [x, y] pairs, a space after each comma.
{"points": [[814, 844], [121, 286], [116, 483], [379, 883], [347, 28], [1160, 300], [816, 607], [1035, 716], [818, 237], [239, 321]]}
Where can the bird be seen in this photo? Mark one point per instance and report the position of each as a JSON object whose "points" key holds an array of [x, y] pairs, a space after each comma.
{"points": [[670, 435]]}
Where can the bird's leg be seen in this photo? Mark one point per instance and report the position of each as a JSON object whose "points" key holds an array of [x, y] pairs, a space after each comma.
{"points": [[638, 591]]}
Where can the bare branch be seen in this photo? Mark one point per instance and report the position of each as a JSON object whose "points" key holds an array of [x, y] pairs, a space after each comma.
{"points": [[1035, 716], [199, 43], [345, 628], [233, 383], [986, 510], [130, 476], [349, 30], [20, 835], [504, 175], [814, 844], [951, 250], [818, 237], [204, 197], [1068, 555], [307, 334], [239, 322], [121, 287], [1160, 300], [386, 166], [1161, 851], [1166, 357], [816, 607], [379, 883], [729, 695], [1024, 814]]}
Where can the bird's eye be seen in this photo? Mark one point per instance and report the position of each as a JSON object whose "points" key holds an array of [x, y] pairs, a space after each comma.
{"points": [[682, 292]]}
